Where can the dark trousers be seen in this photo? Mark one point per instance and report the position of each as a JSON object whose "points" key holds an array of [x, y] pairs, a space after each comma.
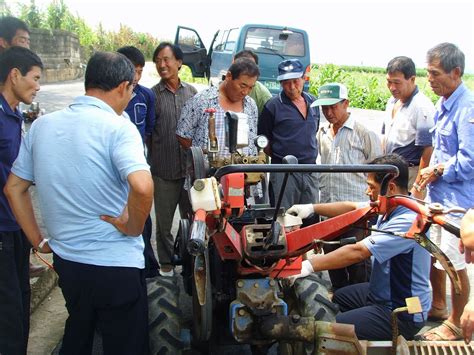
{"points": [[151, 264], [111, 299], [168, 195], [372, 321], [352, 274], [15, 293]]}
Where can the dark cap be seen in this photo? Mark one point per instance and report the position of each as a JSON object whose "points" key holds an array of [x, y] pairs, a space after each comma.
{"points": [[290, 69]]}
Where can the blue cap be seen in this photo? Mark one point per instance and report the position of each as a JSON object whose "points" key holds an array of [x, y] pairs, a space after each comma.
{"points": [[290, 69]]}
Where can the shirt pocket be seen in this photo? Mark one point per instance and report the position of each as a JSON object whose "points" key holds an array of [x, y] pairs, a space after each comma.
{"points": [[447, 139]]}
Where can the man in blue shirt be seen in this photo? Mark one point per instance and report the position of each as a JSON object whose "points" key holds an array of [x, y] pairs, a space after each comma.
{"points": [[95, 192], [399, 266], [450, 176], [141, 111], [20, 71], [291, 124], [15, 32]]}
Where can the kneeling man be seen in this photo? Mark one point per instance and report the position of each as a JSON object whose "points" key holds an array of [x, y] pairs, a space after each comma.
{"points": [[400, 267]]}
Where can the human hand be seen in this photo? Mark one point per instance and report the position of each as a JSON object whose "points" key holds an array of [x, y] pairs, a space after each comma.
{"points": [[46, 249], [306, 269], [467, 321], [468, 253], [301, 211], [428, 175], [43, 247], [119, 222], [417, 193]]}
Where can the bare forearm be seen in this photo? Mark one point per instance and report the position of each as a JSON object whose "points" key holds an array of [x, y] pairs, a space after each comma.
{"points": [[334, 208], [22, 207], [425, 157], [339, 258], [424, 161], [139, 205]]}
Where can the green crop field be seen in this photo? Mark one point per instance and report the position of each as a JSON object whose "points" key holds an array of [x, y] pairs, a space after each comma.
{"points": [[367, 85]]}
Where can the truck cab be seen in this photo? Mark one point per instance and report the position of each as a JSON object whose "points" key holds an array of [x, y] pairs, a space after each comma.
{"points": [[271, 43]]}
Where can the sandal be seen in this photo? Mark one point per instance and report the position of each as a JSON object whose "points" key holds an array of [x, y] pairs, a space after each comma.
{"points": [[440, 335], [438, 314]]}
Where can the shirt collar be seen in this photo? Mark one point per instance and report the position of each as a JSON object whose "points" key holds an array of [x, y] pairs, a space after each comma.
{"points": [[162, 85], [408, 102], [5, 107], [350, 122], [448, 104], [285, 99], [86, 100]]}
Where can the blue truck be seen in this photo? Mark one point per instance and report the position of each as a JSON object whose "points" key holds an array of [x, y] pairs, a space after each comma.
{"points": [[271, 43]]}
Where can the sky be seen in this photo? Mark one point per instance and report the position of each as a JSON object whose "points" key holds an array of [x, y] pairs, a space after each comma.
{"points": [[368, 33]]}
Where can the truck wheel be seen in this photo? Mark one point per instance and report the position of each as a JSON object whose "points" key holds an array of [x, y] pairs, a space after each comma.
{"points": [[164, 316]]}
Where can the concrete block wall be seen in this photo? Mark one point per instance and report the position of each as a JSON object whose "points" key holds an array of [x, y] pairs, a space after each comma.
{"points": [[60, 52]]}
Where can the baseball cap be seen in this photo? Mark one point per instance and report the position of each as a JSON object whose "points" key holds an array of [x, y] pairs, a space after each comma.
{"points": [[290, 69], [330, 94]]}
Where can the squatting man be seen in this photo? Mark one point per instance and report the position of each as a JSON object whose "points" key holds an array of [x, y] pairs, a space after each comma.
{"points": [[400, 267]]}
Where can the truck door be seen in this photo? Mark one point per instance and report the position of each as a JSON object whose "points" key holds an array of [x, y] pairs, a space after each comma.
{"points": [[195, 55]]}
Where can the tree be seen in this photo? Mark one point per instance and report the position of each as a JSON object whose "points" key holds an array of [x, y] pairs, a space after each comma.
{"points": [[56, 13], [4, 9], [31, 15]]}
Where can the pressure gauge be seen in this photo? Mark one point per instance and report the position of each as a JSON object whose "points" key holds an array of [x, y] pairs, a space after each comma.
{"points": [[261, 141]]}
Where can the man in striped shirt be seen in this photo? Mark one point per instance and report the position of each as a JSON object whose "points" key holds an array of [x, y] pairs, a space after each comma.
{"points": [[343, 140], [167, 158]]}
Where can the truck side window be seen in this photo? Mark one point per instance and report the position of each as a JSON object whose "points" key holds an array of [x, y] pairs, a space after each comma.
{"points": [[220, 41], [231, 39]]}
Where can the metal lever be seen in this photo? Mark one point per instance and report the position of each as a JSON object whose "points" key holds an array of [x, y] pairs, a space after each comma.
{"points": [[232, 124], [275, 228]]}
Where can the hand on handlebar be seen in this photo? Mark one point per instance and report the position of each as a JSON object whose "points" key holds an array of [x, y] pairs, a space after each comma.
{"points": [[301, 211], [306, 269]]}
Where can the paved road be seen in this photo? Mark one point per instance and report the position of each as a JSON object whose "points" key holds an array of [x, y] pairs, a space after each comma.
{"points": [[48, 321]]}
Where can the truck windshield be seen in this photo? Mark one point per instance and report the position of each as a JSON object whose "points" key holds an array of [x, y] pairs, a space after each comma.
{"points": [[275, 41]]}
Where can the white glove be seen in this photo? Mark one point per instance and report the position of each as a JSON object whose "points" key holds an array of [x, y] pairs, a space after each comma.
{"points": [[306, 269], [302, 211]]}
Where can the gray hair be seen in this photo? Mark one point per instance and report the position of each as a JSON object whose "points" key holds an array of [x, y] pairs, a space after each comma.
{"points": [[449, 56]]}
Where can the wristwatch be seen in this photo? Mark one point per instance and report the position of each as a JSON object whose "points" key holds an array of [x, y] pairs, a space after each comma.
{"points": [[438, 171]]}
